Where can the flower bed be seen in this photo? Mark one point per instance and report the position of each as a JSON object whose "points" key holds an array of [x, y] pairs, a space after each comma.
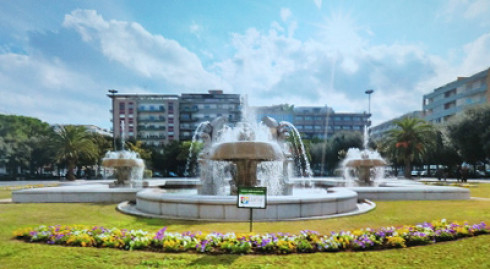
{"points": [[270, 243]]}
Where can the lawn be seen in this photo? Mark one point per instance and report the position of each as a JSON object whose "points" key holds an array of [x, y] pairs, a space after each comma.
{"points": [[465, 253]]}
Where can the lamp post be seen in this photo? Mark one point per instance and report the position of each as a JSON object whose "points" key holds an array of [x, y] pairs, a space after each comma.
{"points": [[112, 96], [369, 92]]}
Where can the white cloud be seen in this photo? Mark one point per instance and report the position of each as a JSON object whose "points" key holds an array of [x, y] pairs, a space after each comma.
{"points": [[318, 3], [152, 56], [48, 90], [476, 10], [285, 14], [196, 29]]}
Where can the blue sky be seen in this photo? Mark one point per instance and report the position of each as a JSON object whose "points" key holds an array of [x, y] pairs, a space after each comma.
{"points": [[58, 58]]}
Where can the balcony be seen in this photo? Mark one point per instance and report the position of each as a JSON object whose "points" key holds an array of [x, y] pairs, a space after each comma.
{"points": [[157, 110], [151, 128], [151, 120]]}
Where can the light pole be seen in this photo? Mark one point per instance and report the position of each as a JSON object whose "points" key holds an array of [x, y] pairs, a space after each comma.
{"points": [[369, 92], [112, 96]]}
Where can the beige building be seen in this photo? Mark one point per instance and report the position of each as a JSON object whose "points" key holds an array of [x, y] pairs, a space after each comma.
{"points": [[151, 118]]}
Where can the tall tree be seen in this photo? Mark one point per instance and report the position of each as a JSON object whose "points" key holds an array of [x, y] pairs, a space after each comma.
{"points": [[24, 143], [408, 141], [470, 134], [72, 143]]}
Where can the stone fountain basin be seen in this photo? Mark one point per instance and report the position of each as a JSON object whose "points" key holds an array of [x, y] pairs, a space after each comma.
{"points": [[246, 150], [123, 163], [156, 203], [365, 162]]}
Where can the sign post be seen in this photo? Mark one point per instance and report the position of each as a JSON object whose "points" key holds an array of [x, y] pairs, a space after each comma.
{"points": [[252, 197]]}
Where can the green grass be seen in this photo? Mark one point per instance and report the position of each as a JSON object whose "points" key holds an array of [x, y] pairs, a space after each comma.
{"points": [[465, 253]]}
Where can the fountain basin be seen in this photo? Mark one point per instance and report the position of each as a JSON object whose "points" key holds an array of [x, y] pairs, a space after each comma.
{"points": [[156, 203], [365, 163], [391, 193], [123, 163], [246, 150]]}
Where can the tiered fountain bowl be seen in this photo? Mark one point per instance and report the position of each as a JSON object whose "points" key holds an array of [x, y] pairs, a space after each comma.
{"points": [[363, 164], [129, 168]]}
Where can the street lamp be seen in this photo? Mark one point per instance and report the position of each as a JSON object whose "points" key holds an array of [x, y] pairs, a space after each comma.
{"points": [[369, 92], [112, 96]]}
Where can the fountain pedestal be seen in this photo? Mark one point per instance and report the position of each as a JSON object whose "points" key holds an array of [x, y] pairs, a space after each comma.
{"points": [[245, 155]]}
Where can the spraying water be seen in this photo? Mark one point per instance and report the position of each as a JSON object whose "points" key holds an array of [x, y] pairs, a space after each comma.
{"points": [[191, 148], [297, 139]]}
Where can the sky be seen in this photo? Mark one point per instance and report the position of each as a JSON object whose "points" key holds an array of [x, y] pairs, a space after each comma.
{"points": [[59, 58]]}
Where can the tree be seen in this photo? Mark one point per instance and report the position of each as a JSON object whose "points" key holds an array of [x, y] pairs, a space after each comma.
{"points": [[327, 155], [71, 143], [24, 146], [470, 134], [408, 141], [442, 151]]}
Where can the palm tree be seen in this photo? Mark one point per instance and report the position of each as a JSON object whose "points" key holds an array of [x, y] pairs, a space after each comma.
{"points": [[408, 141], [71, 143]]}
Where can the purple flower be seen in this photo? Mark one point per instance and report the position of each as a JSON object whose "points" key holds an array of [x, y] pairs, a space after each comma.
{"points": [[160, 234], [203, 245]]}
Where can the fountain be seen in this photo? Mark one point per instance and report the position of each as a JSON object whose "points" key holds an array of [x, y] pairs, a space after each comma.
{"points": [[129, 168], [244, 155], [362, 167], [247, 155]]}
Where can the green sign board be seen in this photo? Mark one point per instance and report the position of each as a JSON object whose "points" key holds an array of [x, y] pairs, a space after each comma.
{"points": [[252, 197]]}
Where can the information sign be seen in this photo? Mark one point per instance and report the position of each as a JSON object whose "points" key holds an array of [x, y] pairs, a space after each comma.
{"points": [[252, 197]]}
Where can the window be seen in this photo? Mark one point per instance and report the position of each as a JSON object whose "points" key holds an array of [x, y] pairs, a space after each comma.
{"points": [[170, 128], [122, 107], [170, 120]]}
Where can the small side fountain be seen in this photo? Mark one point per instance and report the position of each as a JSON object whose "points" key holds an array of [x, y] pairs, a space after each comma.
{"points": [[363, 167], [129, 167]]}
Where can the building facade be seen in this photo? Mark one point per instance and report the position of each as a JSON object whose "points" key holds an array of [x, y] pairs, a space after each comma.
{"points": [[315, 121], [377, 132], [152, 118], [197, 108], [446, 101]]}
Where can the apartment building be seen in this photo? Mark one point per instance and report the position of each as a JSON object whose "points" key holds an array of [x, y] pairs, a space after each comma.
{"points": [[451, 99], [196, 108], [377, 132], [151, 118], [315, 121]]}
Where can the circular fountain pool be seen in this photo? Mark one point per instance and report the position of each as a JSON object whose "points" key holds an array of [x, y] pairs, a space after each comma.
{"points": [[311, 204]]}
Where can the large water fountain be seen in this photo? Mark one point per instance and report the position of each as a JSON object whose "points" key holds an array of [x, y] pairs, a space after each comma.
{"points": [[246, 155]]}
